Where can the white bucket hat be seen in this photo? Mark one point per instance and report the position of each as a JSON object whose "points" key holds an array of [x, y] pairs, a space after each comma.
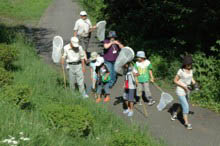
{"points": [[141, 54], [83, 13], [99, 61], [94, 56], [74, 41]]}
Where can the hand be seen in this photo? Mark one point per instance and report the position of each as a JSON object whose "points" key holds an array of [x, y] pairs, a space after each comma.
{"points": [[83, 70], [62, 61], [186, 89], [94, 27], [152, 80], [117, 42], [137, 74]]}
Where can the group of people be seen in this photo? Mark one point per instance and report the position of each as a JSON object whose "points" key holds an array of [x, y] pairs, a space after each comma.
{"points": [[137, 73]]}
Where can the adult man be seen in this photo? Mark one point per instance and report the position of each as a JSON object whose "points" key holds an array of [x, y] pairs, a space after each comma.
{"points": [[82, 30], [74, 55], [111, 51]]}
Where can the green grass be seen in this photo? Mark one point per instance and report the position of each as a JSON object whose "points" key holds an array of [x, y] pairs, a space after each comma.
{"points": [[23, 10], [43, 80]]}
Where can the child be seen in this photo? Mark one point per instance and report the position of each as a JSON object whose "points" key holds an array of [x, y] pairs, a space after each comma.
{"points": [[93, 58], [103, 79], [183, 79], [130, 86], [143, 70]]}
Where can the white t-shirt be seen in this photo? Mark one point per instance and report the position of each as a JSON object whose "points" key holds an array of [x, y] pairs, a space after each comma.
{"points": [[82, 27], [186, 79], [71, 56]]}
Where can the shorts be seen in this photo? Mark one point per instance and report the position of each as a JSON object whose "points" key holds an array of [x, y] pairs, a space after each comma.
{"points": [[129, 95], [105, 87]]}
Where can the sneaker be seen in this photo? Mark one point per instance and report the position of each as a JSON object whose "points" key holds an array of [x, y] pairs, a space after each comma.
{"points": [[130, 113], [98, 100], [107, 99], [139, 103], [174, 116], [86, 96], [150, 103], [188, 126], [126, 111]]}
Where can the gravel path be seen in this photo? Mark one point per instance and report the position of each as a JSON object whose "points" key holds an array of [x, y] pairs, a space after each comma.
{"points": [[59, 20]]}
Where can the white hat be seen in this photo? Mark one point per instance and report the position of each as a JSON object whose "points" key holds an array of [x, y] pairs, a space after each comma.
{"points": [[141, 54], [94, 56], [83, 13], [99, 61], [74, 41]]}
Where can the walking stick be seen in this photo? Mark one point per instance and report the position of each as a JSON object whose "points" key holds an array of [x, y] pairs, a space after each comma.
{"points": [[144, 108], [64, 76]]}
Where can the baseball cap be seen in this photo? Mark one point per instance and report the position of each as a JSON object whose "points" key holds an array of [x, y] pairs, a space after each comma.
{"points": [[94, 56], [74, 41], [83, 13], [112, 34]]}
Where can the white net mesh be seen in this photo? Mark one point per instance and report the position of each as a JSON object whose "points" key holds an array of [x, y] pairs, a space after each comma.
{"points": [[101, 30], [126, 55], [165, 99], [57, 49]]}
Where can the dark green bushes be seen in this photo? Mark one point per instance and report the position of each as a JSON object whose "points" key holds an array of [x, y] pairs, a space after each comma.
{"points": [[73, 120], [8, 54], [5, 77], [18, 95]]}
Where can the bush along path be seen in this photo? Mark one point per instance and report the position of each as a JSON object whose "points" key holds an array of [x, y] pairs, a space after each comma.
{"points": [[59, 20]]}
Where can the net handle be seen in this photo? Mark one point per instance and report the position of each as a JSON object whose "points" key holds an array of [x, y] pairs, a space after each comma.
{"points": [[158, 87]]}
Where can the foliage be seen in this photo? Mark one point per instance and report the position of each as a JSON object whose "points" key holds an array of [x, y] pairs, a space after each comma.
{"points": [[207, 73], [17, 94], [8, 54], [128, 138], [74, 120], [5, 77]]}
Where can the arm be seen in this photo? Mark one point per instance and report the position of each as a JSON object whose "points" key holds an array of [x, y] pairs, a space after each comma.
{"points": [[108, 45], [151, 76], [179, 83], [119, 44], [62, 60], [75, 33], [106, 76], [83, 65], [91, 71]]}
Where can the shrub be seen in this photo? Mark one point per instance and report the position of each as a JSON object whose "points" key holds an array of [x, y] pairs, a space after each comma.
{"points": [[8, 54], [73, 120], [128, 138], [17, 94], [5, 77], [207, 73]]}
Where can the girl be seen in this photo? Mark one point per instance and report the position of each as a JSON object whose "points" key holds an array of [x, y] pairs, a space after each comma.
{"points": [[183, 79]]}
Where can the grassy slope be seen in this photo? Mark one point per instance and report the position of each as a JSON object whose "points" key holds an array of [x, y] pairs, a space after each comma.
{"points": [[43, 80]]}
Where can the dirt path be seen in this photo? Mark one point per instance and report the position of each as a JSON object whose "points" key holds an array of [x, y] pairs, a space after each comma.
{"points": [[59, 20]]}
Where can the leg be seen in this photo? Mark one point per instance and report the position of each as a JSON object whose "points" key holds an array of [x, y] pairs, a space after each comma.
{"points": [[148, 94], [185, 107], [139, 91], [111, 69], [72, 77], [99, 92], [80, 79], [107, 92]]}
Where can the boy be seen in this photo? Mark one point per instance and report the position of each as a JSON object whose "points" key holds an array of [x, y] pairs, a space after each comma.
{"points": [[93, 58], [103, 79], [129, 91], [143, 70]]}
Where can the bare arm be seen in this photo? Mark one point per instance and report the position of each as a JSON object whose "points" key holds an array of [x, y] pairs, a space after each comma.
{"points": [[83, 65], [151, 76], [75, 33], [108, 45], [62, 60], [179, 83], [119, 44]]}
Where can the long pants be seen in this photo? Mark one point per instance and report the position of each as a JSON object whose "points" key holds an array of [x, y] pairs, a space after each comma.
{"points": [[76, 76], [184, 103], [144, 87], [84, 42], [111, 67]]}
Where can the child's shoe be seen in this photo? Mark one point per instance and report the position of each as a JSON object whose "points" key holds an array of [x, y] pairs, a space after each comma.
{"points": [[126, 111], [174, 116], [188, 126], [151, 102], [98, 100], [130, 114], [107, 99]]}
